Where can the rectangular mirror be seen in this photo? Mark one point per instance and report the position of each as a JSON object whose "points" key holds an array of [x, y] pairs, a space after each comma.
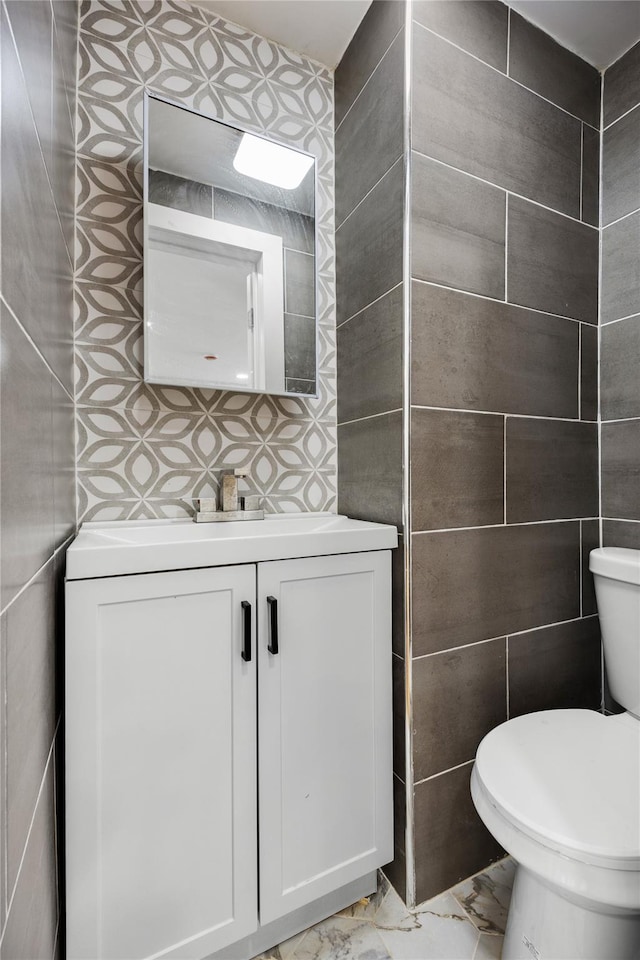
{"points": [[229, 257]]}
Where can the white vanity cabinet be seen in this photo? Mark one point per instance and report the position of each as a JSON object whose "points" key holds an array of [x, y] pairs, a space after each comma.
{"points": [[228, 749]]}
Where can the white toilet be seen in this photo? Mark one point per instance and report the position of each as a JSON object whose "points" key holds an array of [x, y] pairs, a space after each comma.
{"points": [[560, 790]]}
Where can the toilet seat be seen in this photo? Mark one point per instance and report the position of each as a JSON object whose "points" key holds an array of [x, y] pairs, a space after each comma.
{"points": [[570, 780]]}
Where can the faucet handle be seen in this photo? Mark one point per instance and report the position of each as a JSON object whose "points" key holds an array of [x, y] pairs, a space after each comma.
{"points": [[229, 495]]}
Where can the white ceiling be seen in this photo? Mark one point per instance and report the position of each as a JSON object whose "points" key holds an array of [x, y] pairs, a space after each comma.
{"points": [[320, 29], [599, 31]]}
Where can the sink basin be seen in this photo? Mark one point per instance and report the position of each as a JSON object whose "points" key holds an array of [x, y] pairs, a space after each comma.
{"points": [[145, 546]]}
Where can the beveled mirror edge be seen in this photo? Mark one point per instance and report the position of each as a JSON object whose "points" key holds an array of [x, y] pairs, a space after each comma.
{"points": [[149, 95]]}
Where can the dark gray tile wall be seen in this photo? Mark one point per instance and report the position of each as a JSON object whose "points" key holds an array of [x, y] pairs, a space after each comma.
{"points": [[504, 443], [370, 188], [37, 474], [620, 315]]}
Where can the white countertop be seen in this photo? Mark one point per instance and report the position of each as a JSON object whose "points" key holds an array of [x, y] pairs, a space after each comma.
{"points": [[146, 546]]}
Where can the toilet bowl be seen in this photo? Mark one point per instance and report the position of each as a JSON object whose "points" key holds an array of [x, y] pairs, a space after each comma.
{"points": [[560, 790]]}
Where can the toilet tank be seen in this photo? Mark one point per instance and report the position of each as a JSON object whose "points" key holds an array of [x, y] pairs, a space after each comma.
{"points": [[616, 572]]}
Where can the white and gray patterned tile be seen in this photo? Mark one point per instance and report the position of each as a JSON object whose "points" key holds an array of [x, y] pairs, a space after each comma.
{"points": [[145, 450]]}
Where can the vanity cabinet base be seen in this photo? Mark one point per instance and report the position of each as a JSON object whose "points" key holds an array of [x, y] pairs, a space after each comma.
{"points": [[285, 927]]}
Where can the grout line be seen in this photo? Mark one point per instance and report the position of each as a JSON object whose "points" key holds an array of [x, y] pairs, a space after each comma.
{"points": [[409, 837], [581, 573], [607, 323], [622, 115], [519, 306], [398, 159], [506, 667], [501, 413], [504, 470], [506, 248], [619, 420], [373, 416], [367, 81], [502, 636], [620, 519], [509, 42], [580, 373], [501, 526], [605, 226], [502, 74], [581, 165], [366, 307], [497, 186], [441, 773]]}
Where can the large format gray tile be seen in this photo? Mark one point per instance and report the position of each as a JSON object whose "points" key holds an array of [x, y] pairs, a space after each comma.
{"points": [[618, 533], [65, 19], [458, 697], [32, 26], [475, 354], [369, 246], [457, 469], [621, 470], [478, 120], [458, 229], [371, 140], [29, 634], [378, 28], [449, 845], [621, 168], [542, 64], [30, 931], [26, 460], [590, 176], [622, 85], [296, 229], [621, 269], [556, 667], [588, 372], [620, 369], [471, 585], [478, 26], [369, 358], [370, 475], [299, 280], [590, 539], [36, 272], [552, 262], [551, 470], [178, 193]]}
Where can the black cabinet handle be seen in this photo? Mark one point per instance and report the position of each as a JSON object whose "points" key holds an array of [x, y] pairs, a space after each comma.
{"points": [[272, 646], [246, 630]]}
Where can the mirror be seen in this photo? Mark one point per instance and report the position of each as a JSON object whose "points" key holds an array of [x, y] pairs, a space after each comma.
{"points": [[229, 257]]}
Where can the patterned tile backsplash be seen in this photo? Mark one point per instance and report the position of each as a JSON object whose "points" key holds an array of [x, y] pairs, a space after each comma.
{"points": [[143, 450]]}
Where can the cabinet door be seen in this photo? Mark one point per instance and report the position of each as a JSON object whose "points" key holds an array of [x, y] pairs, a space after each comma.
{"points": [[160, 765], [325, 763]]}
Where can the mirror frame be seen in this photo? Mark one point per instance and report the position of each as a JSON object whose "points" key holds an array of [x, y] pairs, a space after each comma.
{"points": [[153, 95]]}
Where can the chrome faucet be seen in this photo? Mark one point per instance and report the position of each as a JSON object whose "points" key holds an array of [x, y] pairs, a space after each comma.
{"points": [[233, 506]]}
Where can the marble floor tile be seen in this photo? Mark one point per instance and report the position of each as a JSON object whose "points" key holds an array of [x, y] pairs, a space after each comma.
{"points": [[342, 938], [465, 923], [441, 932], [489, 947], [485, 897]]}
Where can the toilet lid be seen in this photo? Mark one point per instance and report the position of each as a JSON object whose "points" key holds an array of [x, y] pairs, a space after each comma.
{"points": [[570, 778]]}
